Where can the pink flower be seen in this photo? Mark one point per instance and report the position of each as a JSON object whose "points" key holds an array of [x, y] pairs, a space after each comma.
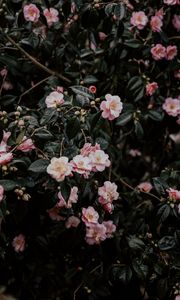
{"points": [[172, 107], [111, 108], [139, 19], [173, 194], [178, 121], [60, 89], [51, 16], [108, 192], [171, 52], [170, 2], [178, 296], [179, 213], [1, 193], [3, 145], [160, 13], [158, 52], [72, 222], [54, 99], [176, 22], [81, 165], [59, 168], [19, 243], [135, 152], [26, 145], [92, 89], [72, 198], [54, 213], [88, 148], [95, 234], [110, 228], [177, 74], [7, 85], [4, 72], [151, 88], [145, 187], [99, 160], [89, 215], [5, 158], [31, 13], [102, 36], [156, 24]]}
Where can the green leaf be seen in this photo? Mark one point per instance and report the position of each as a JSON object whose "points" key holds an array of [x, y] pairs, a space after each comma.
{"points": [[119, 11], [160, 185], [20, 137], [80, 90], [72, 127], [166, 243], [89, 79], [39, 166], [135, 243], [133, 43], [155, 115], [134, 83], [50, 116], [140, 269], [8, 185], [7, 100], [138, 129], [124, 118], [43, 134], [65, 190], [163, 212], [125, 274]]}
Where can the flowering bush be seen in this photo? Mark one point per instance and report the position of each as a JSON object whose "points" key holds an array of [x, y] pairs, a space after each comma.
{"points": [[89, 149]]}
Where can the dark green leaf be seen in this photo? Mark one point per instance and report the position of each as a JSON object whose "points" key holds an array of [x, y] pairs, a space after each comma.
{"points": [[80, 90], [39, 166], [72, 127], [166, 243]]}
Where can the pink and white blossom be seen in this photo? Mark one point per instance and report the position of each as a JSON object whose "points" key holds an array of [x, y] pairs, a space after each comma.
{"points": [[171, 52], [59, 168], [156, 24], [88, 149], [72, 221], [89, 215], [111, 107], [139, 19], [82, 165], [151, 88], [31, 13], [51, 15], [110, 228], [108, 192], [176, 22], [54, 99], [26, 145], [135, 152], [1, 193], [5, 158], [145, 187], [54, 213], [158, 52], [172, 106], [95, 234], [170, 2], [19, 243], [72, 198], [173, 194], [99, 160]]}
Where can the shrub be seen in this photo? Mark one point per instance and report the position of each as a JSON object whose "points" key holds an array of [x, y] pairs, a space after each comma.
{"points": [[89, 152]]}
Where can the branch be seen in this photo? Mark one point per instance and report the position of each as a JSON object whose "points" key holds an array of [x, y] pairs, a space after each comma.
{"points": [[34, 61]]}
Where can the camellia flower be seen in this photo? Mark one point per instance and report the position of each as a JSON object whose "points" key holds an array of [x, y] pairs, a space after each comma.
{"points": [[72, 198], [59, 168], [151, 88], [26, 145], [139, 19], [173, 194], [99, 160], [31, 13], [135, 152], [72, 221], [95, 234], [145, 187], [172, 107], [102, 36], [54, 99], [171, 52], [178, 296], [1, 193], [5, 158], [112, 107], [160, 13], [177, 74], [92, 89], [3, 145], [19, 243], [54, 213], [170, 2], [88, 148], [51, 15], [4, 72], [158, 52], [156, 24], [176, 22], [82, 165], [89, 215], [110, 228], [108, 192]]}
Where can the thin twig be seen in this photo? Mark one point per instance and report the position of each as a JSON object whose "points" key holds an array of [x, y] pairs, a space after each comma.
{"points": [[35, 61], [33, 87]]}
